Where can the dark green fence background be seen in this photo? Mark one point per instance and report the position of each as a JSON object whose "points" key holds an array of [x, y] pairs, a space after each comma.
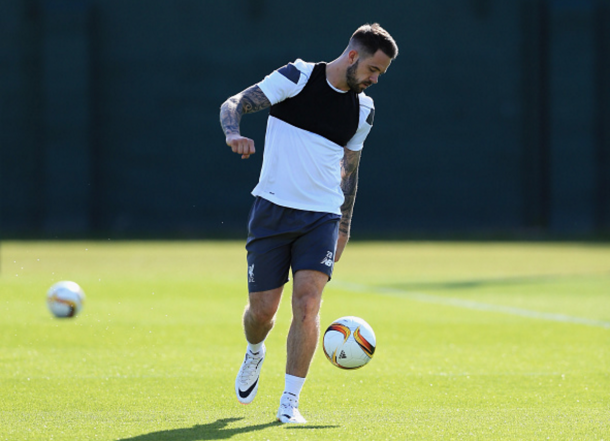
{"points": [[495, 116]]}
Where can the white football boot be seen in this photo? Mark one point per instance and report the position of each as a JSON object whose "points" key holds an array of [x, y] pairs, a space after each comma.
{"points": [[289, 410], [246, 383]]}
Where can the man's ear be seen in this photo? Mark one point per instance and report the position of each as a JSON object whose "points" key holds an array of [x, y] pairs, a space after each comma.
{"points": [[353, 56]]}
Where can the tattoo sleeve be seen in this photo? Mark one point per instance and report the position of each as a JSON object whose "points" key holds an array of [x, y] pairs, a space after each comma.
{"points": [[349, 185], [249, 101]]}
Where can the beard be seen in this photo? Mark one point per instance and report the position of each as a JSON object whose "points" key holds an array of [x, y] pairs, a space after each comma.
{"points": [[352, 80]]}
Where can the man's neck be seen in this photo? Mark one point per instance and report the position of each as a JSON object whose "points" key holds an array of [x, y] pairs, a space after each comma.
{"points": [[335, 74]]}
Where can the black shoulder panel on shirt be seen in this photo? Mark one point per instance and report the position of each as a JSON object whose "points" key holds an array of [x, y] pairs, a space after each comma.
{"points": [[291, 72], [371, 117]]}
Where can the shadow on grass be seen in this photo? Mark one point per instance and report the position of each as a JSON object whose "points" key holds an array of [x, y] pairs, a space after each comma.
{"points": [[216, 430]]}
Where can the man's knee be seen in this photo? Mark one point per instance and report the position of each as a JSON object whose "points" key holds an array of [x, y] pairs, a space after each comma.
{"points": [[305, 307], [307, 295], [260, 314], [263, 306]]}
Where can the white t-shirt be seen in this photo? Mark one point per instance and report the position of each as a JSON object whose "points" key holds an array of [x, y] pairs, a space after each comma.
{"points": [[302, 169]]}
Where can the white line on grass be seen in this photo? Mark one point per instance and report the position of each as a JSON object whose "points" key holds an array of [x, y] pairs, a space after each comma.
{"points": [[470, 304]]}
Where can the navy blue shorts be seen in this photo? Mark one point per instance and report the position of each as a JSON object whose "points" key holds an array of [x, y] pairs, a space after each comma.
{"points": [[281, 238]]}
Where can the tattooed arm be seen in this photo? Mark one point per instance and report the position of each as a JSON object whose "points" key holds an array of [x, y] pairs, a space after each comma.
{"points": [[349, 185], [249, 101]]}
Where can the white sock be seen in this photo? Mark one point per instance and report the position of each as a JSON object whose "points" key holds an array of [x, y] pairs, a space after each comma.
{"points": [[254, 348], [293, 385]]}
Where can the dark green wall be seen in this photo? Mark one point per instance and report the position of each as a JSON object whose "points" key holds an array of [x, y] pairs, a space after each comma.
{"points": [[495, 116]]}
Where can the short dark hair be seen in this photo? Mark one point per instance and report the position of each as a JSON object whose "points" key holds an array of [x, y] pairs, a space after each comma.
{"points": [[372, 37]]}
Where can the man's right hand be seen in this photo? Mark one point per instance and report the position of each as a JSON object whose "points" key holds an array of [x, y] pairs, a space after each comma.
{"points": [[241, 145]]}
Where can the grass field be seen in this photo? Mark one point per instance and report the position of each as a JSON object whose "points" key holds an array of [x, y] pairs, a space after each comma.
{"points": [[484, 341]]}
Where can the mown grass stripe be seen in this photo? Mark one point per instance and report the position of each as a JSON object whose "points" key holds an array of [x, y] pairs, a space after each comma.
{"points": [[470, 304]]}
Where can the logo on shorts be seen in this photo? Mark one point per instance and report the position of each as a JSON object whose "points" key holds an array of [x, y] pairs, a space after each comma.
{"points": [[328, 260], [251, 274]]}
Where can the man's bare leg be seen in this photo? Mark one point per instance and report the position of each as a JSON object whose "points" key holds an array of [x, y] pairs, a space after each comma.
{"points": [[258, 320], [305, 328], [259, 316], [302, 340]]}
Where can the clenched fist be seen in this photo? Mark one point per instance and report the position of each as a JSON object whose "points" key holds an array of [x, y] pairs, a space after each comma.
{"points": [[241, 145]]}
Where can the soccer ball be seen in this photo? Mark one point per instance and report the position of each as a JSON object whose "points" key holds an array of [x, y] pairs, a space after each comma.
{"points": [[65, 299], [349, 343]]}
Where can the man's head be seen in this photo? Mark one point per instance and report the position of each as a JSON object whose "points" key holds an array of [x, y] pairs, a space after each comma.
{"points": [[369, 53], [368, 39]]}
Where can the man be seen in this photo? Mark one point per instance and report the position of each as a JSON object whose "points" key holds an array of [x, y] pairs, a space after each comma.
{"points": [[319, 119]]}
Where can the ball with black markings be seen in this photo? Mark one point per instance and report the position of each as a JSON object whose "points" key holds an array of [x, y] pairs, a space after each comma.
{"points": [[65, 299], [349, 342]]}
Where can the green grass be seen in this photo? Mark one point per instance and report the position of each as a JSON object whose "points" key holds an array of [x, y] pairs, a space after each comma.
{"points": [[154, 353]]}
